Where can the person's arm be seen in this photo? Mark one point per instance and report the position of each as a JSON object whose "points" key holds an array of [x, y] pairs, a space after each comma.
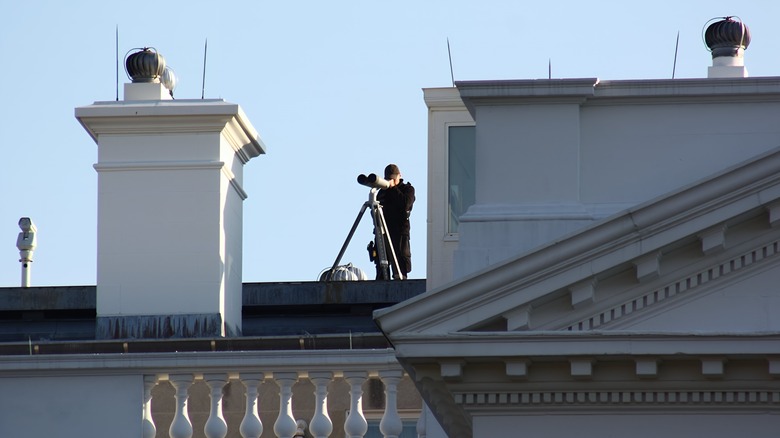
{"points": [[408, 196]]}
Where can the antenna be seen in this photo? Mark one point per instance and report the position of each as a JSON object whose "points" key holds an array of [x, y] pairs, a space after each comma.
{"points": [[676, 46], [117, 63], [449, 54], [203, 86], [549, 68]]}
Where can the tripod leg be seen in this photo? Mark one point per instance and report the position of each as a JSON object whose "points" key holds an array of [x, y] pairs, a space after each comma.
{"points": [[379, 217], [380, 231], [346, 242]]}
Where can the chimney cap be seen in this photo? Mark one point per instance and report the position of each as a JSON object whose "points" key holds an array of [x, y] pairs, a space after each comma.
{"points": [[726, 37]]}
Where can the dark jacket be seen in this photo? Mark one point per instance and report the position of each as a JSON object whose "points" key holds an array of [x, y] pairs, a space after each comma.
{"points": [[397, 204]]}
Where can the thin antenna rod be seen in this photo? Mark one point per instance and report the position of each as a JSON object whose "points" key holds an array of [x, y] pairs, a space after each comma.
{"points": [[549, 68], [676, 46], [117, 63], [203, 86], [449, 54]]}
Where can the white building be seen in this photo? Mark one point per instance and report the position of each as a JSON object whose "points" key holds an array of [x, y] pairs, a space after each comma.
{"points": [[602, 261], [603, 257]]}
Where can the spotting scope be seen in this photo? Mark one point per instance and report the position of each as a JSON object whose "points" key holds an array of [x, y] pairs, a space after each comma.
{"points": [[373, 181]]}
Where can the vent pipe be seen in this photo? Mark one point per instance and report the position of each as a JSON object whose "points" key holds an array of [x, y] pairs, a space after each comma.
{"points": [[727, 40]]}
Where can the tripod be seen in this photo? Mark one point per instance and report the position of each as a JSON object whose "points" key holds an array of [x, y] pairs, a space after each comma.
{"points": [[382, 242]]}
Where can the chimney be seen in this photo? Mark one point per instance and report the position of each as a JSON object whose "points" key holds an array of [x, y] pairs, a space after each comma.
{"points": [[727, 40], [170, 213]]}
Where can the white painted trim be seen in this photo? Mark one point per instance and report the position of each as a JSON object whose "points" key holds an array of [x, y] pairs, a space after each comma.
{"points": [[173, 165], [338, 361], [748, 397], [481, 345]]}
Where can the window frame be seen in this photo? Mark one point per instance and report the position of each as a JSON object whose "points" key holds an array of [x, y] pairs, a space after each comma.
{"points": [[450, 235]]}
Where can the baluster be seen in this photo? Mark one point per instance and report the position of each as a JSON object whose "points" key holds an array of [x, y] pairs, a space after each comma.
{"points": [[149, 429], [355, 425], [391, 425], [251, 426], [422, 425], [285, 425], [181, 426], [320, 425], [215, 426]]}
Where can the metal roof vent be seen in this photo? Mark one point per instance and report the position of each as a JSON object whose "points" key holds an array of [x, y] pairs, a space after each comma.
{"points": [[146, 65], [727, 40]]}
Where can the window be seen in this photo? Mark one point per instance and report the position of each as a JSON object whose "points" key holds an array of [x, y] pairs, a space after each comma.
{"points": [[461, 152]]}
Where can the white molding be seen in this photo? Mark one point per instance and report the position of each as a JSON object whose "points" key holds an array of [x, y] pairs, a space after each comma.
{"points": [[130, 166], [646, 368], [173, 165], [725, 397], [713, 240], [674, 289], [173, 116], [583, 293], [518, 319], [338, 361], [504, 345], [648, 267]]}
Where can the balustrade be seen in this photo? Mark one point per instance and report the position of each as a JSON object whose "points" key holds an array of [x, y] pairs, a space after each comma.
{"points": [[313, 388], [232, 394]]}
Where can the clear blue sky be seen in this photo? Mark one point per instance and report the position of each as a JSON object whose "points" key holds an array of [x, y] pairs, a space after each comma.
{"points": [[333, 88]]}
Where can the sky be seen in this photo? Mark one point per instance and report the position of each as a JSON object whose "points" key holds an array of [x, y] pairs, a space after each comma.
{"points": [[334, 89]]}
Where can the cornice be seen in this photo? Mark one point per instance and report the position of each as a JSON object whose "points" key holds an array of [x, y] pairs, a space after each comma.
{"points": [[176, 116], [443, 99], [600, 344], [592, 91], [304, 361]]}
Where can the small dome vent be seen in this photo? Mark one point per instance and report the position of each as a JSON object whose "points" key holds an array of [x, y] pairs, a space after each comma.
{"points": [[344, 273], [726, 37], [146, 65]]}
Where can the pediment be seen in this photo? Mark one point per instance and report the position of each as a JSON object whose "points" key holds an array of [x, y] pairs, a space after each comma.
{"points": [[734, 291], [683, 261]]}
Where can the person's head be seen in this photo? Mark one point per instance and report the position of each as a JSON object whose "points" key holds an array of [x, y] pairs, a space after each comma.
{"points": [[392, 172]]}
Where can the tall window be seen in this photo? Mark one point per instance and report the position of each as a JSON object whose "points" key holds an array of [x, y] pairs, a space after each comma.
{"points": [[461, 147]]}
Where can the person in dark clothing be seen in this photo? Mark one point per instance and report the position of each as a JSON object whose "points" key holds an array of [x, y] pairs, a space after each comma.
{"points": [[397, 201]]}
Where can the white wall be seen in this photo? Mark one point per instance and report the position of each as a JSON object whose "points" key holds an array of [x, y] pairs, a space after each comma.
{"points": [[550, 163], [65, 407], [445, 109]]}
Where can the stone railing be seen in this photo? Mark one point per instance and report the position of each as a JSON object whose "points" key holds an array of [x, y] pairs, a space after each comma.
{"points": [[218, 394]]}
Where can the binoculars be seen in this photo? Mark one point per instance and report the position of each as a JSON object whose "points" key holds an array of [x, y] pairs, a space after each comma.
{"points": [[373, 181]]}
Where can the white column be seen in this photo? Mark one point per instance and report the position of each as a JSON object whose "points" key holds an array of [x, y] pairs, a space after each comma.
{"points": [[251, 426], [355, 425], [320, 425], [285, 425], [215, 426], [149, 430], [391, 425], [181, 426]]}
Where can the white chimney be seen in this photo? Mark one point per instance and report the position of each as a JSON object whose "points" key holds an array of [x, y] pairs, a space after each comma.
{"points": [[170, 213], [727, 40]]}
